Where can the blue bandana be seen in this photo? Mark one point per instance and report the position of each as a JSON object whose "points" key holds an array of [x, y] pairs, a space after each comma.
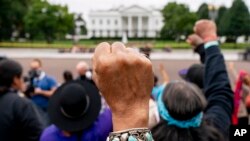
{"points": [[194, 122]]}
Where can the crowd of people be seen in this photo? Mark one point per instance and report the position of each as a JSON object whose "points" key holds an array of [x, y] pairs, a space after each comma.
{"points": [[119, 98]]}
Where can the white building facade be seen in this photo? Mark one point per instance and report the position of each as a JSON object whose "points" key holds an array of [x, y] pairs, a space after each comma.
{"points": [[134, 21]]}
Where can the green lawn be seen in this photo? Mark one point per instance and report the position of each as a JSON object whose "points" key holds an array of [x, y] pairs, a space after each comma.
{"points": [[93, 43]]}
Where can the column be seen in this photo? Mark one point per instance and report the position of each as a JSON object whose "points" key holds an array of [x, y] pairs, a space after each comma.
{"points": [[139, 26], [149, 26], [129, 26]]}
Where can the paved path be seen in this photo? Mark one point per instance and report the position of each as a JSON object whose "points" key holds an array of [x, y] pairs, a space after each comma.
{"points": [[55, 63], [53, 53]]}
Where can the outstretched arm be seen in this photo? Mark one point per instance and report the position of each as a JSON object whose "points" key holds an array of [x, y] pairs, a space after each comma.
{"points": [[164, 74], [217, 85]]}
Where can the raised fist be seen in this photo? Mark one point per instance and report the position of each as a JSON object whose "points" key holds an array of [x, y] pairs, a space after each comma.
{"points": [[194, 40], [125, 79], [206, 29]]}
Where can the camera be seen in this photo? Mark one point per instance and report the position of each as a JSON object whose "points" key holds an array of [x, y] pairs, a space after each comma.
{"points": [[29, 81]]}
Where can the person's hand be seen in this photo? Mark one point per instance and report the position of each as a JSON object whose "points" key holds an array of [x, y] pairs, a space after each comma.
{"points": [[231, 66], [38, 91], [161, 67], [206, 29], [194, 40], [125, 79]]}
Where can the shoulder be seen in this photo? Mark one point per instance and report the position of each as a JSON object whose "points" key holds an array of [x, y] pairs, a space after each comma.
{"points": [[50, 134], [48, 77], [17, 100]]}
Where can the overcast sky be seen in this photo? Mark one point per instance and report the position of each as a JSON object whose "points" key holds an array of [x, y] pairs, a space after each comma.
{"points": [[84, 6]]}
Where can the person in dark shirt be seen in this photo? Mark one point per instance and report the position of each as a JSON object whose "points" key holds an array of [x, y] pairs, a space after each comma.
{"points": [[188, 115], [67, 76], [19, 118]]}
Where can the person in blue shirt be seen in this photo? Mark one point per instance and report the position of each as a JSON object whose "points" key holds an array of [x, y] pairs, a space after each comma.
{"points": [[44, 85]]}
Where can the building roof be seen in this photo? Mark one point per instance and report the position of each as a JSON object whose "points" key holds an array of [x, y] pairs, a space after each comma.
{"points": [[122, 9]]}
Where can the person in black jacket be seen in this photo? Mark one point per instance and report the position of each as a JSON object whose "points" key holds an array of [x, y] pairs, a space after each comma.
{"points": [[19, 118], [185, 113]]}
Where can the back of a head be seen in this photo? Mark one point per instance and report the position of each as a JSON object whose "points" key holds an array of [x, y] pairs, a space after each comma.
{"points": [[195, 74], [183, 103], [67, 76], [82, 68], [9, 69]]}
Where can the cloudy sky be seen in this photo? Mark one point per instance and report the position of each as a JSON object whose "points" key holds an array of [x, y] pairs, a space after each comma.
{"points": [[84, 6]]}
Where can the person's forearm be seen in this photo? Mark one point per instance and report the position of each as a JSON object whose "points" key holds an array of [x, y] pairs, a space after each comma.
{"points": [[136, 119], [234, 74], [165, 76], [201, 51], [215, 70], [48, 93]]}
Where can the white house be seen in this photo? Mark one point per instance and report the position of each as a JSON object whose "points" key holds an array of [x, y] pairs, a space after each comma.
{"points": [[135, 21]]}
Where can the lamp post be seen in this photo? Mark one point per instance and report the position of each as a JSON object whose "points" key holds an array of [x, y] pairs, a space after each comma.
{"points": [[213, 12]]}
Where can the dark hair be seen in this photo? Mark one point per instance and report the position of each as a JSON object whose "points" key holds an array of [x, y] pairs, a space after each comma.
{"points": [[195, 74], [2, 58], [38, 61], [183, 101], [155, 80], [67, 76], [9, 69]]}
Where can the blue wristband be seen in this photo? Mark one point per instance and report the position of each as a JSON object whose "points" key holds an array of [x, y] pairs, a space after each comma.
{"points": [[210, 44]]}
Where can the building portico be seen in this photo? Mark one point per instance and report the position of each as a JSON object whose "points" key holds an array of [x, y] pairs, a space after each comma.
{"points": [[135, 21]]}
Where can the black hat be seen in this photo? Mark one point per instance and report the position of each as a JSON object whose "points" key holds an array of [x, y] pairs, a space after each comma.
{"points": [[74, 106], [194, 74]]}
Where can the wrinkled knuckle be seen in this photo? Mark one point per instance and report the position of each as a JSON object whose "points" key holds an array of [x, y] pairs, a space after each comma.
{"points": [[121, 60], [148, 64], [137, 62], [101, 66]]}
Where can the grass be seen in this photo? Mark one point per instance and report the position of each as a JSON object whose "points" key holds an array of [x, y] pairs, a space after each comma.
{"points": [[93, 43]]}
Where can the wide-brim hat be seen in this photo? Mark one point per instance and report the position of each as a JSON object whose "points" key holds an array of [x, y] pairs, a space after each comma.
{"points": [[74, 106]]}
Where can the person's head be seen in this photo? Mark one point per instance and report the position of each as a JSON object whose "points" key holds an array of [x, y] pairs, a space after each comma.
{"points": [[10, 75], [181, 107], [246, 79], [74, 106], [67, 76], [2, 58], [194, 74], [36, 64], [81, 68]]}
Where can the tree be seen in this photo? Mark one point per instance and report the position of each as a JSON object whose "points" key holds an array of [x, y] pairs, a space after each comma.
{"points": [[203, 12], [46, 21], [219, 21], [236, 21], [11, 17], [178, 20]]}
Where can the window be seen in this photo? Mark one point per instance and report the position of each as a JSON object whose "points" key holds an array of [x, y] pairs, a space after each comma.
{"points": [[101, 33], [116, 22], [116, 33], [108, 22], [93, 22], [100, 22], [108, 32], [93, 33]]}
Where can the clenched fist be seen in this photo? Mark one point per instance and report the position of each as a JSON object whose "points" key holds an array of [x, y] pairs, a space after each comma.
{"points": [[194, 40], [206, 29], [125, 79]]}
